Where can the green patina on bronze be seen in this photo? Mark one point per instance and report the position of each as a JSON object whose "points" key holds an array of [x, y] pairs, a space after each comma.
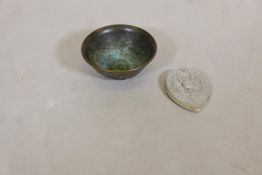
{"points": [[119, 51]]}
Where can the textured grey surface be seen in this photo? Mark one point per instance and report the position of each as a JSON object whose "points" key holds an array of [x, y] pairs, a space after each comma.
{"points": [[59, 117], [189, 88]]}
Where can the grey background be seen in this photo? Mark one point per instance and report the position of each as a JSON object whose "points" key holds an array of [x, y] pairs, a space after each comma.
{"points": [[59, 117]]}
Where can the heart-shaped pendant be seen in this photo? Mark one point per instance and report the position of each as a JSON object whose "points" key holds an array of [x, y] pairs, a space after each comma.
{"points": [[189, 88]]}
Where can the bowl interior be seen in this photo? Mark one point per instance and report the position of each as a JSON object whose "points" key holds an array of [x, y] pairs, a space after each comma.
{"points": [[119, 48]]}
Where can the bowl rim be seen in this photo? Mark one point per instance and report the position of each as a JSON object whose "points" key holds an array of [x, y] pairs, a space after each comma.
{"points": [[114, 26]]}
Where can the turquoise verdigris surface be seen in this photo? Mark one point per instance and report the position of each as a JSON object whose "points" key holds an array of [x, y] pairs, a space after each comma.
{"points": [[121, 51]]}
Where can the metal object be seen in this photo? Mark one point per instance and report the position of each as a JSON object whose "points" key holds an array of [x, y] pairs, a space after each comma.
{"points": [[189, 88], [119, 51]]}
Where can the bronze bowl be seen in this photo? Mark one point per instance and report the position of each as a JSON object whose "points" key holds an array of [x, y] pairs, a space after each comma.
{"points": [[119, 51]]}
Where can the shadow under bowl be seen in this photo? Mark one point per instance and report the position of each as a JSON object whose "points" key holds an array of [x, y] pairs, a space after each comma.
{"points": [[119, 51]]}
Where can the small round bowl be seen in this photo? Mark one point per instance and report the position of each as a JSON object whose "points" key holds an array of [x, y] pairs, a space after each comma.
{"points": [[119, 51]]}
